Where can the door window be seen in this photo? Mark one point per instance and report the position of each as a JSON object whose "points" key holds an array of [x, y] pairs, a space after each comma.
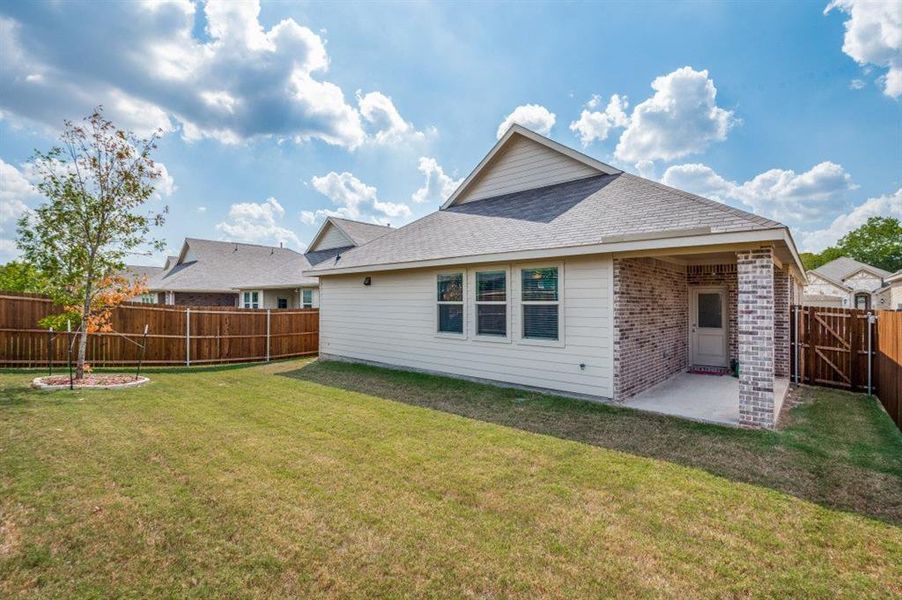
{"points": [[710, 310]]}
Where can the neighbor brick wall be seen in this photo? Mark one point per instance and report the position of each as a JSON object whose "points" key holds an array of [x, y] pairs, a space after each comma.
{"points": [[719, 276], [205, 299], [782, 284], [651, 316], [755, 270]]}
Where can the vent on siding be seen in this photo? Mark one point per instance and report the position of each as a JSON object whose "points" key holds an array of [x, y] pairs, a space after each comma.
{"points": [[710, 269]]}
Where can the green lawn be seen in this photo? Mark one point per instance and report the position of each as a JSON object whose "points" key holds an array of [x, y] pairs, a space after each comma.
{"points": [[302, 478]]}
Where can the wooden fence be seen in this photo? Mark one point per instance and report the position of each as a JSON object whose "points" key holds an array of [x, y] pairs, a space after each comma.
{"points": [[177, 335], [831, 348]]}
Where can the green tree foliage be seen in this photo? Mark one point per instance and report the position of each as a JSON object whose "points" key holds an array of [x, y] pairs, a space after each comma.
{"points": [[96, 183], [877, 243], [18, 276]]}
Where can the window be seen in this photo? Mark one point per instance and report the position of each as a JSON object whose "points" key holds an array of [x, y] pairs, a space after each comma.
{"points": [[862, 301], [450, 299], [282, 303], [710, 310], [148, 299], [491, 303], [251, 300], [541, 303], [307, 298]]}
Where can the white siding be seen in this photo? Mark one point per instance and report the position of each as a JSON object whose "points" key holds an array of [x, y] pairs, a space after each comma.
{"points": [[393, 321], [525, 165], [270, 298], [332, 238]]}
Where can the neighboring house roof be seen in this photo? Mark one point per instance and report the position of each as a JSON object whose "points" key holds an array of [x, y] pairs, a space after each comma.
{"points": [[894, 278], [844, 267], [214, 266], [136, 272], [595, 210]]}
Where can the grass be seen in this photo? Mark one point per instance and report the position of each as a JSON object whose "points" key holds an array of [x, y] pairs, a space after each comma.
{"points": [[317, 479]]}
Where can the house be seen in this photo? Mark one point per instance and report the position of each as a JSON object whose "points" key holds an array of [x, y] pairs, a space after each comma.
{"points": [[216, 273], [847, 283], [549, 269]]}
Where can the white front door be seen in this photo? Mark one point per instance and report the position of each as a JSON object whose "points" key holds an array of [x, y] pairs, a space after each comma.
{"points": [[708, 324]]}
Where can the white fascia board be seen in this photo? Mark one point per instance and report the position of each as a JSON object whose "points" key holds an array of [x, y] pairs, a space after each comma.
{"points": [[699, 242]]}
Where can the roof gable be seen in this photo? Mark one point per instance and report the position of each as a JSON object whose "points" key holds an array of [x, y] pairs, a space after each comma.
{"points": [[344, 233], [524, 160]]}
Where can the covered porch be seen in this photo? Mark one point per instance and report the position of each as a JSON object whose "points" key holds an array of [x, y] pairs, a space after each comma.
{"points": [[704, 334]]}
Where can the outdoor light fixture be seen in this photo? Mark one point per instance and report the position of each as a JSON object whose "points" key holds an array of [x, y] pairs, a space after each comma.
{"points": [[367, 281]]}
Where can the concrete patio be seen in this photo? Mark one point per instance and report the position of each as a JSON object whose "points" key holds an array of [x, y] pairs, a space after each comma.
{"points": [[707, 398]]}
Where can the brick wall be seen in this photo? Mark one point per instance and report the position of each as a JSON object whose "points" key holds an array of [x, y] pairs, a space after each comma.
{"points": [[755, 271], [719, 276], [651, 316], [782, 298], [205, 299]]}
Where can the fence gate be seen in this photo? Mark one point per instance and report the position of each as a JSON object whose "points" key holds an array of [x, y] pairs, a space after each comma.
{"points": [[832, 347]]}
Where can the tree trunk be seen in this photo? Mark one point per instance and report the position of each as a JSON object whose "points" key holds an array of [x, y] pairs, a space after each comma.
{"points": [[83, 334]]}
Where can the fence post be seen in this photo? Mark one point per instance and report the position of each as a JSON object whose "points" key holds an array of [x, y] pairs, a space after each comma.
{"points": [[188, 337], [50, 351], [267, 335], [871, 320], [795, 355]]}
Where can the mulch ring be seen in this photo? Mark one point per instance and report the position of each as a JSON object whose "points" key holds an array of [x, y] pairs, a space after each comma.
{"points": [[104, 381]]}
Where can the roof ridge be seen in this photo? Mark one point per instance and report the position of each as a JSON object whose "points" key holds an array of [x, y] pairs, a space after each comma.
{"points": [[243, 244], [706, 201]]}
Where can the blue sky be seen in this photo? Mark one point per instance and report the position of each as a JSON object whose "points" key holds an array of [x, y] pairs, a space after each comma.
{"points": [[278, 115]]}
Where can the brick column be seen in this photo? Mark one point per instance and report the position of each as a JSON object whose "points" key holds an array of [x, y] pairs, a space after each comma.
{"points": [[782, 284], [755, 270]]}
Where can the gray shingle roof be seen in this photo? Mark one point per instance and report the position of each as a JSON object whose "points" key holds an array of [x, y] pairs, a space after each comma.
{"points": [[359, 232], [224, 266], [844, 266], [135, 272], [581, 212]]}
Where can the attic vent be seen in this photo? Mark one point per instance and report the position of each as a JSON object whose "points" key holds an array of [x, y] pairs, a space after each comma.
{"points": [[711, 269]]}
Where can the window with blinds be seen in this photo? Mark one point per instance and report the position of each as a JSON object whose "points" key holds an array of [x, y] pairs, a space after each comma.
{"points": [[450, 298], [541, 303], [491, 303]]}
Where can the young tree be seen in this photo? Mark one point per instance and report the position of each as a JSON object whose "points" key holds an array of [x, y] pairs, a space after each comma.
{"points": [[96, 184]]}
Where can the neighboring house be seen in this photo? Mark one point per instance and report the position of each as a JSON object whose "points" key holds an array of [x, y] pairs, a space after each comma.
{"points": [[214, 273], [892, 291], [549, 269], [337, 235], [847, 283]]}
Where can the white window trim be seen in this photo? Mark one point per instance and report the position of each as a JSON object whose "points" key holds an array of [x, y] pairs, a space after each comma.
{"points": [[304, 304], [463, 303], [259, 298], [560, 342], [508, 292]]}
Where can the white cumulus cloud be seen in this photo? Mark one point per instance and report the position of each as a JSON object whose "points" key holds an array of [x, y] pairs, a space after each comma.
{"points": [[258, 222], [874, 37], [17, 195], [354, 200], [681, 118], [241, 82], [889, 205], [532, 116], [595, 125], [438, 184], [780, 194]]}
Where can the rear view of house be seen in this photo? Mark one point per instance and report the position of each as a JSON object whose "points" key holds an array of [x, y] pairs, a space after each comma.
{"points": [[549, 269]]}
